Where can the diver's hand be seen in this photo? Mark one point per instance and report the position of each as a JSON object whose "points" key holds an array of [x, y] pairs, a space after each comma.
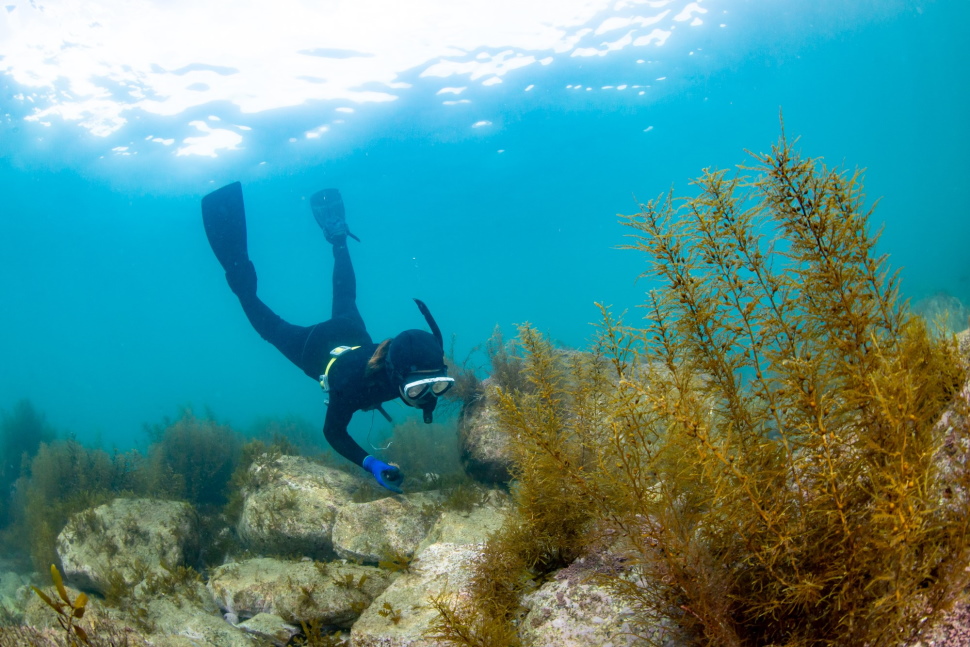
{"points": [[388, 476]]}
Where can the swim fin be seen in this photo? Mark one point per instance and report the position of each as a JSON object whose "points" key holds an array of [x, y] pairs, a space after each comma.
{"points": [[224, 218], [328, 210]]}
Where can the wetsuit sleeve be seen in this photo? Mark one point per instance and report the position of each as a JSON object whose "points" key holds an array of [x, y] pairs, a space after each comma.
{"points": [[335, 431]]}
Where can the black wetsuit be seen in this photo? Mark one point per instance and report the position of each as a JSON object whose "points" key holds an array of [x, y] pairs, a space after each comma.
{"points": [[309, 348]]}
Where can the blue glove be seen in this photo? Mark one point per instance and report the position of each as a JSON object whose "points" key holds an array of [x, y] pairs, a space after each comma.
{"points": [[387, 475]]}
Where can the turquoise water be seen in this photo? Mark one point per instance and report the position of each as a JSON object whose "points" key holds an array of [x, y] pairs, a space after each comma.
{"points": [[497, 211]]}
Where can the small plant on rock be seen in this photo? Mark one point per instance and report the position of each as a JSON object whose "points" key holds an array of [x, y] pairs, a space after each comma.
{"points": [[69, 612], [397, 561], [388, 611]]}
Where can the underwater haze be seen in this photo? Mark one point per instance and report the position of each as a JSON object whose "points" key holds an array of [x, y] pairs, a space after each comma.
{"points": [[483, 151]]}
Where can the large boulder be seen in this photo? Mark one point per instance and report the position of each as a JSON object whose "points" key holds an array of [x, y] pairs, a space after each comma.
{"points": [[574, 609], [123, 542], [173, 609], [330, 593], [402, 615], [389, 527], [290, 505], [173, 619], [469, 527], [99, 621], [483, 446]]}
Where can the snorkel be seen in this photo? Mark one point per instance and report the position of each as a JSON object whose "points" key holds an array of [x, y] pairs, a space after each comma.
{"points": [[431, 324]]}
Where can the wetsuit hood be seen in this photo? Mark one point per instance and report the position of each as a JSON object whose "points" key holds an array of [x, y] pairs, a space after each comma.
{"points": [[417, 351], [414, 351]]}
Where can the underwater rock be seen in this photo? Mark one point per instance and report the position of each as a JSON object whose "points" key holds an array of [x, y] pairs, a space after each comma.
{"points": [[172, 618], [103, 624], [269, 627], [305, 591], [38, 613], [369, 532], [127, 538], [14, 594], [963, 343], [401, 615], [18, 636], [953, 631], [179, 615], [178, 641], [51, 637], [290, 504], [483, 446], [470, 527], [572, 609]]}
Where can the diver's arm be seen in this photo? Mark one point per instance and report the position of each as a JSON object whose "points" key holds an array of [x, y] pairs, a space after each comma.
{"points": [[335, 431]]}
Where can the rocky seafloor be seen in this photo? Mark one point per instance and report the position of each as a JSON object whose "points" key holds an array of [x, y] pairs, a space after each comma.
{"points": [[359, 574], [127, 556]]}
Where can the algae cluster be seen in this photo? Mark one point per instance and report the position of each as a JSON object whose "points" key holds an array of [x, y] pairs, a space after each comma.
{"points": [[189, 458], [764, 454], [21, 433]]}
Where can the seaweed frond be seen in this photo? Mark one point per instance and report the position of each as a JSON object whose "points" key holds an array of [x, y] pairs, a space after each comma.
{"points": [[69, 612], [766, 451], [388, 611], [456, 626], [397, 561]]}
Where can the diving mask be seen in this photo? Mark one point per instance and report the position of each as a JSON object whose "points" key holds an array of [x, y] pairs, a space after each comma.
{"points": [[416, 392]]}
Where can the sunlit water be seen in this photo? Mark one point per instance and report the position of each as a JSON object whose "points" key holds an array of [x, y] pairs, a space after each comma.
{"points": [[483, 150]]}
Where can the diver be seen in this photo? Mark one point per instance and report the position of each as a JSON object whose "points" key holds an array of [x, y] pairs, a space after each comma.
{"points": [[356, 373]]}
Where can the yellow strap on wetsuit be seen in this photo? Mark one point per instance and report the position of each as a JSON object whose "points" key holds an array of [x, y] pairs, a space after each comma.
{"points": [[334, 354]]}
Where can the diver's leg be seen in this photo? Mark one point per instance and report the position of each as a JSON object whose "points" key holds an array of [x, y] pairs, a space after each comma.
{"points": [[289, 339], [328, 210], [224, 218], [344, 285]]}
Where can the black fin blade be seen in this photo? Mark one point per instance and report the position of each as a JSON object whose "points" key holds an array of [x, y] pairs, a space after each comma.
{"points": [[224, 218]]}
